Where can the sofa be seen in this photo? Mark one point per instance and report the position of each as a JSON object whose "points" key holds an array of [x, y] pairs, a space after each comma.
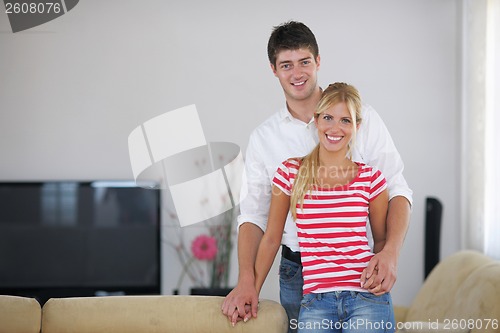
{"points": [[461, 294], [132, 314]]}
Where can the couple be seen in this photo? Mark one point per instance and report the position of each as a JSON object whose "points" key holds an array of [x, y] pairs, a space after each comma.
{"points": [[310, 159]]}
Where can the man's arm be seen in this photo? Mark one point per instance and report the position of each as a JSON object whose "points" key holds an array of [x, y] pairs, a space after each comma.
{"points": [[241, 303], [386, 261], [244, 293], [378, 149]]}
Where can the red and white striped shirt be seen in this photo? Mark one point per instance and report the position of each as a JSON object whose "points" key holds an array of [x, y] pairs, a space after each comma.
{"points": [[332, 228]]}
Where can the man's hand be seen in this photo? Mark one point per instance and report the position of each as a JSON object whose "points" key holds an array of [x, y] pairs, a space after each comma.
{"points": [[241, 303], [380, 275]]}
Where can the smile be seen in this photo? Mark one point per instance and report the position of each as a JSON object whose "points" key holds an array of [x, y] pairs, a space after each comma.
{"points": [[334, 138], [298, 83]]}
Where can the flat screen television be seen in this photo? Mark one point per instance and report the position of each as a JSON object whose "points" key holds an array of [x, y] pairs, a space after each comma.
{"points": [[73, 239]]}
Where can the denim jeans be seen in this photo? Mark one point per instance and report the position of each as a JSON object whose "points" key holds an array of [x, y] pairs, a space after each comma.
{"points": [[347, 312], [291, 283]]}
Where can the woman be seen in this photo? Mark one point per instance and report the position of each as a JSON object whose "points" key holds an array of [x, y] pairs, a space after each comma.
{"points": [[330, 198]]}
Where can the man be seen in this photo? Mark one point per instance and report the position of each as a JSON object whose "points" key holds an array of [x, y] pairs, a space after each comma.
{"points": [[294, 58]]}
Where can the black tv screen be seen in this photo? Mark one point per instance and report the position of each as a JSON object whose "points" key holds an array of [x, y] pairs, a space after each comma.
{"points": [[61, 239]]}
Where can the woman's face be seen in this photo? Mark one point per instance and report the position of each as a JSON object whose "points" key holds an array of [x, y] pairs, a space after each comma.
{"points": [[335, 128]]}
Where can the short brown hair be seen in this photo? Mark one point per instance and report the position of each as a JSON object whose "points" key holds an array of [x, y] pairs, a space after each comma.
{"points": [[291, 35]]}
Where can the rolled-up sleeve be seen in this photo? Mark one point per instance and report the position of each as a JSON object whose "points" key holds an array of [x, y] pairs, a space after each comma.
{"points": [[254, 207], [377, 149]]}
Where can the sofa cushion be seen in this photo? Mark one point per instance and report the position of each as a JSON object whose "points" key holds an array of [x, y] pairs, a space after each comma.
{"points": [[19, 315], [440, 290], [154, 314]]}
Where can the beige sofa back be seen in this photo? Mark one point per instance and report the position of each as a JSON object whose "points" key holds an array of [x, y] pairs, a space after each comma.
{"points": [[440, 290], [19, 315], [464, 289], [154, 314], [479, 298]]}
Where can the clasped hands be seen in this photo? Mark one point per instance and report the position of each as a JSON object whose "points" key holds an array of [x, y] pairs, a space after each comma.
{"points": [[241, 303]]}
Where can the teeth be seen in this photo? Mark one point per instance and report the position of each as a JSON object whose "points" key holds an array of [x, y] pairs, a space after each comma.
{"points": [[298, 83], [334, 138]]}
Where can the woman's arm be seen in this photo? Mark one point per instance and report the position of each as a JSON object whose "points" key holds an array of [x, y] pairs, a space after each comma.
{"points": [[271, 241], [377, 212]]}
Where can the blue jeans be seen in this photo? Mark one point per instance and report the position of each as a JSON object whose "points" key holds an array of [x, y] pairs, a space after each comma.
{"points": [[291, 283], [346, 312]]}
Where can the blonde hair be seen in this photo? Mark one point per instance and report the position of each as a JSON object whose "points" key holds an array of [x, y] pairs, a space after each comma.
{"points": [[307, 174]]}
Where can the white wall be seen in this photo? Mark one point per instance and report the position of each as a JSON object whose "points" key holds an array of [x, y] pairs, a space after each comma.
{"points": [[73, 89]]}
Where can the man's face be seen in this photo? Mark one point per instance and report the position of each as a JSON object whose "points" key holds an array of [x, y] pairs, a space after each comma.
{"points": [[297, 72]]}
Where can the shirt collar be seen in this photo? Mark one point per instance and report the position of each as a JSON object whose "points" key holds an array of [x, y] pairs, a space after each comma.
{"points": [[285, 115]]}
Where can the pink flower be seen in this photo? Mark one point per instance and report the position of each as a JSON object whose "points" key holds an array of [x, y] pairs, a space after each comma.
{"points": [[204, 247]]}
